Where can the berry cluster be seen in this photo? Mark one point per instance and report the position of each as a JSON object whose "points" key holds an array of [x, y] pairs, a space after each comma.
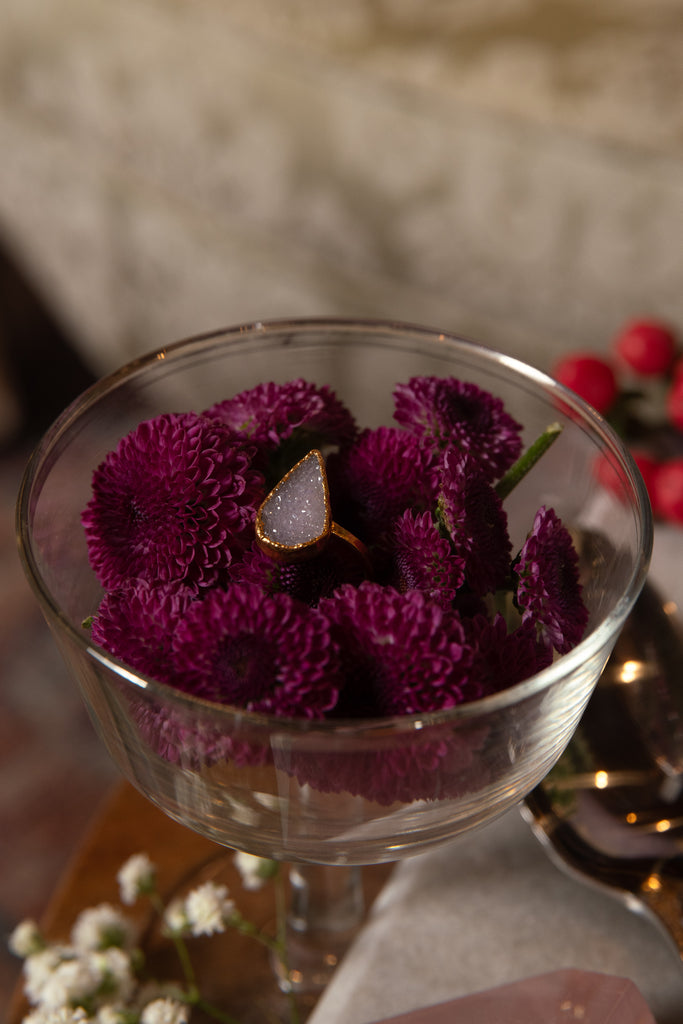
{"points": [[638, 387]]}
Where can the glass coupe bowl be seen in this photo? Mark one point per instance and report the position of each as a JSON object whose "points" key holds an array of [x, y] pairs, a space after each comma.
{"points": [[335, 792]]}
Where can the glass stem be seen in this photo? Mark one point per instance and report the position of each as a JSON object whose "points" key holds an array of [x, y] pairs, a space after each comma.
{"points": [[326, 909]]}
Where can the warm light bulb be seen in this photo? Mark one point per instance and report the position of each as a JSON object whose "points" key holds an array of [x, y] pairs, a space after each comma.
{"points": [[630, 671]]}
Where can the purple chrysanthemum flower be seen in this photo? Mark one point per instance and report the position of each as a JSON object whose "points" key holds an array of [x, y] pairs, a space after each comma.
{"points": [[184, 736], [170, 737], [401, 653], [136, 623], [459, 415], [501, 658], [269, 414], [306, 581], [266, 653], [474, 516], [548, 588], [424, 560], [387, 471], [436, 764], [258, 569], [175, 501]]}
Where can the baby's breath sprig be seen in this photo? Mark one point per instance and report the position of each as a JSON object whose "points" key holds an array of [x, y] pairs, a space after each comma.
{"points": [[96, 977]]}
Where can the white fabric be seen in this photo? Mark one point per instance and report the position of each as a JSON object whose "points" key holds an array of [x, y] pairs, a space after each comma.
{"points": [[487, 909]]}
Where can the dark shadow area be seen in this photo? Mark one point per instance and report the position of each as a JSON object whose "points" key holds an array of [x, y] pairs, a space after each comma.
{"points": [[40, 361], [53, 770]]}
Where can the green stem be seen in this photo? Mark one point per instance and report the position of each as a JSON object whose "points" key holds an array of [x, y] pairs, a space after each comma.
{"points": [[244, 927], [527, 460], [180, 946], [185, 962]]}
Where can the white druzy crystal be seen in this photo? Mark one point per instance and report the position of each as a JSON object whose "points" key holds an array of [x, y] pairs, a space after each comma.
{"points": [[296, 511]]}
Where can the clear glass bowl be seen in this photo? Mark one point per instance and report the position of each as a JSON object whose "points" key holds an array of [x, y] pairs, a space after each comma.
{"points": [[335, 792]]}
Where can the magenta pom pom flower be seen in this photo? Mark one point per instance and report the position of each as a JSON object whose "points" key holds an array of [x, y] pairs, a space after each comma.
{"points": [[387, 471], [175, 501], [270, 414], [501, 658], [261, 652], [548, 587], [458, 415], [305, 581], [476, 522], [401, 653], [424, 560], [441, 763], [136, 623]]}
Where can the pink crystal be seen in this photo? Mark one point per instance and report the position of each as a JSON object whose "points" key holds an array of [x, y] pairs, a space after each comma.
{"points": [[561, 997]]}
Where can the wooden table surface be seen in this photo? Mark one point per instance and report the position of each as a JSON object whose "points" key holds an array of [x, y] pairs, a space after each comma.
{"points": [[230, 967]]}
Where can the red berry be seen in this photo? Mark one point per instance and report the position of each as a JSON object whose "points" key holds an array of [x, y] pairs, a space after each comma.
{"points": [[606, 474], [610, 477], [646, 346], [668, 491], [674, 402], [590, 377]]}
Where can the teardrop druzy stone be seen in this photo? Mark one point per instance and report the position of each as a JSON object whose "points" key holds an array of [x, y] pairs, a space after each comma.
{"points": [[296, 513]]}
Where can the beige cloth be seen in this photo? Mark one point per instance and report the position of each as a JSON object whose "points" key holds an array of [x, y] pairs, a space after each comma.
{"points": [[487, 909], [553, 998]]}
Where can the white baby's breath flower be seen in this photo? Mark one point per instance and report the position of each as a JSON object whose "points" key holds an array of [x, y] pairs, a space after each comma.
{"points": [[155, 989], [165, 1011], [254, 871], [38, 969], [112, 1013], [62, 1015], [114, 970], [209, 908], [26, 939], [72, 983], [175, 918], [136, 877], [100, 927]]}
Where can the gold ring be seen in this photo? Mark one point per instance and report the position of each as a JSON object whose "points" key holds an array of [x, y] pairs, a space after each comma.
{"points": [[295, 521]]}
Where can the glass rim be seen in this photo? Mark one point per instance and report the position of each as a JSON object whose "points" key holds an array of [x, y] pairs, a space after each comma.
{"points": [[562, 666]]}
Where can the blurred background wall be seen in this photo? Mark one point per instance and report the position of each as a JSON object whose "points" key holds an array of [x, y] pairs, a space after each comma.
{"points": [[508, 169]]}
